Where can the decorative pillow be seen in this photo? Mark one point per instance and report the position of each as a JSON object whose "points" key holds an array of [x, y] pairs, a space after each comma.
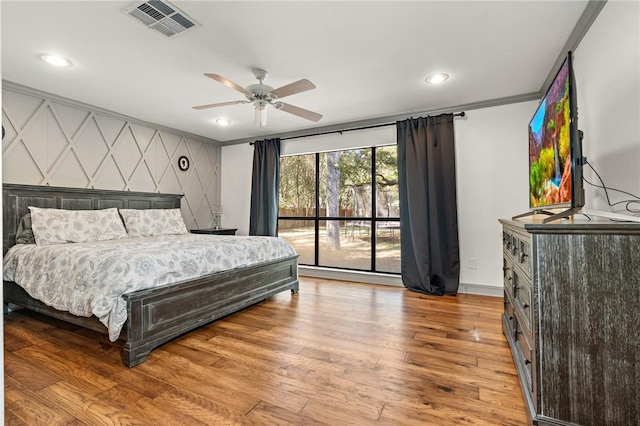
{"points": [[150, 222], [57, 226], [24, 234]]}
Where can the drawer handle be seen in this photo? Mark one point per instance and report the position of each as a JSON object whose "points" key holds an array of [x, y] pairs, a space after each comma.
{"points": [[505, 270], [526, 362]]}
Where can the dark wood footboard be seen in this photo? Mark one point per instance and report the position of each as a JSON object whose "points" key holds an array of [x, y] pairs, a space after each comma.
{"points": [[159, 315]]}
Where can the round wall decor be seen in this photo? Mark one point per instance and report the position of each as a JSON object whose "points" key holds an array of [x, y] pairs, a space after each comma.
{"points": [[183, 163]]}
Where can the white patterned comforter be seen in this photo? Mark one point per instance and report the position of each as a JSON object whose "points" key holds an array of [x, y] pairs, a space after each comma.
{"points": [[89, 278]]}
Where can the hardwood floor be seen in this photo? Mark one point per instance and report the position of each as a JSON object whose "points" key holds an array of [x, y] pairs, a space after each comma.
{"points": [[337, 353]]}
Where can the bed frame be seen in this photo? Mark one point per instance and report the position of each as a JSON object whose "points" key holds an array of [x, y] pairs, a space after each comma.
{"points": [[154, 316]]}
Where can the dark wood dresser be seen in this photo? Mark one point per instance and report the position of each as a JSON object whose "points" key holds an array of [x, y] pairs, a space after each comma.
{"points": [[572, 319]]}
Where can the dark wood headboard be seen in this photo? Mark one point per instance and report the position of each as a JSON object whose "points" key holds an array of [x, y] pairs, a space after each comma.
{"points": [[16, 200]]}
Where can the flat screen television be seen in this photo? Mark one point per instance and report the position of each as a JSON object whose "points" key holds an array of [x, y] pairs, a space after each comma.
{"points": [[555, 149]]}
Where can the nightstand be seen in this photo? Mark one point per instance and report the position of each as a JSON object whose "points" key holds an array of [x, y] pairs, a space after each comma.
{"points": [[212, 231]]}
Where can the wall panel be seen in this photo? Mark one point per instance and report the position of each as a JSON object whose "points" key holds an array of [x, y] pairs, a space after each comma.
{"points": [[50, 141]]}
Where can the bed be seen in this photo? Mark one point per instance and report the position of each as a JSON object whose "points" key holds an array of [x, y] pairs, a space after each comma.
{"points": [[158, 315]]}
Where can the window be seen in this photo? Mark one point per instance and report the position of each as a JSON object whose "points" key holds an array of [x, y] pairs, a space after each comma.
{"points": [[340, 209]]}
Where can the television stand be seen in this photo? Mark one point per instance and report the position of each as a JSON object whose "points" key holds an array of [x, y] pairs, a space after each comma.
{"points": [[534, 212], [563, 214]]}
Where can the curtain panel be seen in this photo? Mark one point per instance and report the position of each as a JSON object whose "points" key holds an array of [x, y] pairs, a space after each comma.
{"points": [[265, 184], [430, 258]]}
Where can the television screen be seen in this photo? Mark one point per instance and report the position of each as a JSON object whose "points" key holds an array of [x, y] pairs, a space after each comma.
{"points": [[550, 144]]}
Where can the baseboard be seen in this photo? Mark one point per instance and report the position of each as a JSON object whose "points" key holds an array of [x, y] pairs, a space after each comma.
{"points": [[481, 289], [388, 279], [355, 276]]}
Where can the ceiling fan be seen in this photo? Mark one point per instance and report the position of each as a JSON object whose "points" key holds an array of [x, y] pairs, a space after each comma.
{"points": [[261, 95]]}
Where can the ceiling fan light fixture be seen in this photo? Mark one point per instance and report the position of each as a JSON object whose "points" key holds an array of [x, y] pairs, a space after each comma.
{"points": [[437, 78], [57, 61], [261, 114]]}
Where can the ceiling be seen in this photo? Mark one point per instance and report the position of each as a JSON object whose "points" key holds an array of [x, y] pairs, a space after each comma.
{"points": [[368, 59]]}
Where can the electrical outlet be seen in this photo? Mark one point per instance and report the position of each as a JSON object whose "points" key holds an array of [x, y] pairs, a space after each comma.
{"points": [[473, 263]]}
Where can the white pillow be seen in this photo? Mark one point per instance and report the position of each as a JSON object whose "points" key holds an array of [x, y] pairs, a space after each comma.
{"points": [[57, 226], [150, 222]]}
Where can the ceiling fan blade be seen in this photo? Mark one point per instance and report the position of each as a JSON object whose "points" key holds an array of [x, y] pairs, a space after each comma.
{"points": [[300, 112], [228, 83], [219, 104], [293, 88]]}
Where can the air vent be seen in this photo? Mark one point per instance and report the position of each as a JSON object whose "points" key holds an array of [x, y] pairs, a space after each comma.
{"points": [[163, 17]]}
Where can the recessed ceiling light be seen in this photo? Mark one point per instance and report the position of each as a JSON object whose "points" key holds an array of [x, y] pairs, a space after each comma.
{"points": [[223, 122], [57, 61], [437, 78]]}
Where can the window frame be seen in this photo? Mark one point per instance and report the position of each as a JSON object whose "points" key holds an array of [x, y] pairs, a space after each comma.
{"points": [[373, 218]]}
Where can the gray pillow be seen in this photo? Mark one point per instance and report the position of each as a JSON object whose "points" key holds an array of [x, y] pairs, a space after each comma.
{"points": [[24, 234]]}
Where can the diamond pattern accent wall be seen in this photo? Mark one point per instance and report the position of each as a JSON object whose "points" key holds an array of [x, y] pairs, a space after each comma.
{"points": [[58, 143]]}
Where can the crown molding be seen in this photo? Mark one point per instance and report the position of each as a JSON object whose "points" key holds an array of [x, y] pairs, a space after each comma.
{"points": [[589, 15]]}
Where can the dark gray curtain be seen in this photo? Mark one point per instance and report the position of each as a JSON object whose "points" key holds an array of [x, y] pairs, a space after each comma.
{"points": [[265, 185], [430, 259]]}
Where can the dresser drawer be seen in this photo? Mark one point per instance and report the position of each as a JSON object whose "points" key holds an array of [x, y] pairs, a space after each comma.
{"points": [[507, 239], [524, 354], [517, 247], [523, 258], [522, 295], [507, 275], [511, 244], [509, 316]]}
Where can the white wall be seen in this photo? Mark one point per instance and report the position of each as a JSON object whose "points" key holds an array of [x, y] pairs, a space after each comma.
{"points": [[237, 163], [607, 69], [60, 143], [492, 169]]}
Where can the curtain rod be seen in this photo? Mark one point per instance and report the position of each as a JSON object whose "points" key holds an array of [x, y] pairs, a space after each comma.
{"points": [[458, 114]]}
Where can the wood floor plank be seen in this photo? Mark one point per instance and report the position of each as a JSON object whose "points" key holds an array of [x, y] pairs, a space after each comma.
{"points": [[84, 407], [83, 378], [21, 370], [23, 331], [479, 350], [248, 390], [183, 350], [202, 409], [267, 414], [499, 383], [391, 389], [28, 408], [193, 378], [138, 406], [335, 353], [471, 411]]}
